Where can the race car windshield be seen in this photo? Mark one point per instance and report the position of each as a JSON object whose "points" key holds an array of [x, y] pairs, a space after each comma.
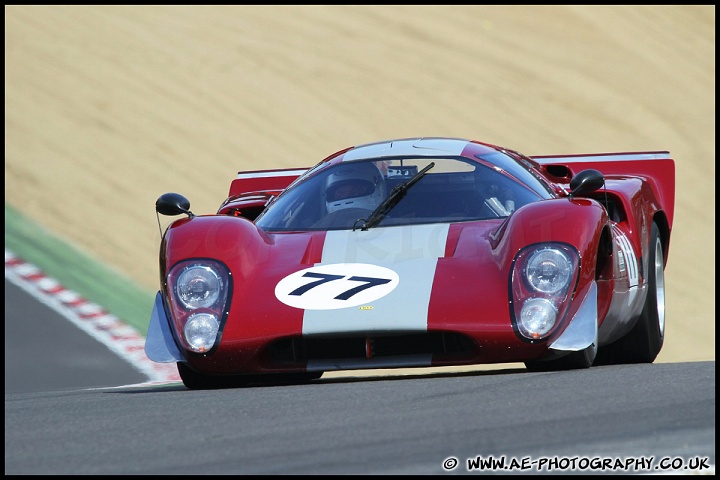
{"points": [[343, 196], [345, 189], [398, 193]]}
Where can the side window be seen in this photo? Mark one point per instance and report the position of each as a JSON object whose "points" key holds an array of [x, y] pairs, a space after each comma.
{"points": [[502, 194], [297, 208], [518, 171]]}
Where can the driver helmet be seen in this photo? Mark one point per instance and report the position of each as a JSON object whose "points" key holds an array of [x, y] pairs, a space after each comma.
{"points": [[354, 185]]}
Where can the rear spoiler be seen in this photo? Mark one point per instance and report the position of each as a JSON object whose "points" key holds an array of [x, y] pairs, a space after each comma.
{"points": [[601, 157], [656, 167], [263, 180]]}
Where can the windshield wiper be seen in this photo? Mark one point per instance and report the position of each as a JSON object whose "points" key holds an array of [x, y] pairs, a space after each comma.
{"points": [[396, 194]]}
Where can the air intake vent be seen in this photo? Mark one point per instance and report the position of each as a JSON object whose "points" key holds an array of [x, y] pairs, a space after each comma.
{"points": [[302, 349]]}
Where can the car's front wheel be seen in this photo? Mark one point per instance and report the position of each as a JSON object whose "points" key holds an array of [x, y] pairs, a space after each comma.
{"points": [[199, 381], [574, 360]]}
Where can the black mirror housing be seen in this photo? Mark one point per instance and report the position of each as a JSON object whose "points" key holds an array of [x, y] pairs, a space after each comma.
{"points": [[586, 182], [172, 204]]}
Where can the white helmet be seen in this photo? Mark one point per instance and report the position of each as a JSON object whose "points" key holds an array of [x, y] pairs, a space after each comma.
{"points": [[354, 185]]}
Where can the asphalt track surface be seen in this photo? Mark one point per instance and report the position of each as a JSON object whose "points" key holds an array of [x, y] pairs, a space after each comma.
{"points": [[45, 352], [72, 406]]}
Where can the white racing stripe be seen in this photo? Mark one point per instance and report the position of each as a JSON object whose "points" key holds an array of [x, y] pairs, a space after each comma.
{"points": [[411, 146], [410, 251]]}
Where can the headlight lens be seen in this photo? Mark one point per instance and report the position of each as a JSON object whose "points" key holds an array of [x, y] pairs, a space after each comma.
{"points": [[548, 270], [537, 317], [199, 300], [198, 286], [542, 281], [201, 331]]}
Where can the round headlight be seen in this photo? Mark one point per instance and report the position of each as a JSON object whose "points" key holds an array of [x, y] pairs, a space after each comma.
{"points": [[548, 270], [198, 286], [201, 331], [537, 317]]}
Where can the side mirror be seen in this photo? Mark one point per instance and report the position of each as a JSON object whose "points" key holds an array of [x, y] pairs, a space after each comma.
{"points": [[172, 204], [585, 182]]}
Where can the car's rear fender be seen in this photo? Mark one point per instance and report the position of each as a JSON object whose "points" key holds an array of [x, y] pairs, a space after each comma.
{"points": [[656, 168], [248, 205]]}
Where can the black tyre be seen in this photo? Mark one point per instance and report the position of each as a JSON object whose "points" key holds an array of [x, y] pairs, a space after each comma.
{"points": [[199, 381], [644, 342], [572, 361]]}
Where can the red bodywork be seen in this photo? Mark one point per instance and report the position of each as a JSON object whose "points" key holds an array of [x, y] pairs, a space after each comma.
{"points": [[470, 300]]}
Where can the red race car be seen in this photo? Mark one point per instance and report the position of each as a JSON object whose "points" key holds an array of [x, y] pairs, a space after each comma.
{"points": [[413, 253]]}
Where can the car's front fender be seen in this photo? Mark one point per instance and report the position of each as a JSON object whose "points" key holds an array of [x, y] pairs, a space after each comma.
{"points": [[159, 344]]}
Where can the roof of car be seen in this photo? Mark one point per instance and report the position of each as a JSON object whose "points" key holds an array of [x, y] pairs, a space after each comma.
{"points": [[418, 146]]}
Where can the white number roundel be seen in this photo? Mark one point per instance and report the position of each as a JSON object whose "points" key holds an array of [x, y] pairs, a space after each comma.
{"points": [[339, 285]]}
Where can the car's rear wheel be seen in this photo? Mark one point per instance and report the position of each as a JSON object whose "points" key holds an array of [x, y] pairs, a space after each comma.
{"points": [[644, 342]]}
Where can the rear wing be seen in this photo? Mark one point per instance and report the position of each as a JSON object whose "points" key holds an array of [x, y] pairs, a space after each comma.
{"points": [[263, 180], [657, 168]]}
